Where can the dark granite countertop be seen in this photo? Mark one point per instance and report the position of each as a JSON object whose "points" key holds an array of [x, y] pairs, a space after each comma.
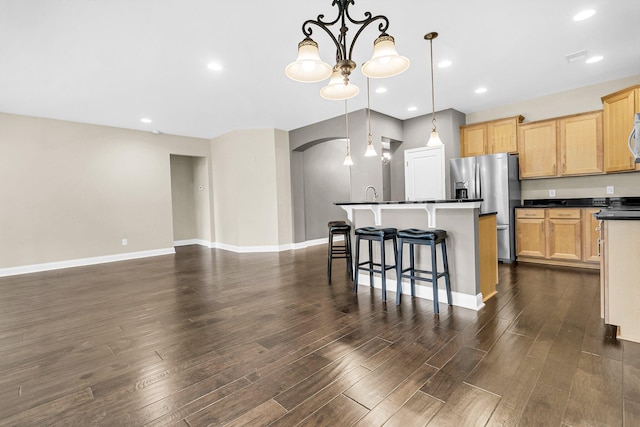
{"points": [[622, 213], [408, 202], [588, 202], [488, 213]]}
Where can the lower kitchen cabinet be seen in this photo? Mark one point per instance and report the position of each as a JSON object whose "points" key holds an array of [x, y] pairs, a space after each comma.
{"points": [[565, 234], [557, 236], [531, 239]]}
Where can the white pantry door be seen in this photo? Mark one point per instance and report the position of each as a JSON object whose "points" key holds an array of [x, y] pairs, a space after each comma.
{"points": [[424, 173]]}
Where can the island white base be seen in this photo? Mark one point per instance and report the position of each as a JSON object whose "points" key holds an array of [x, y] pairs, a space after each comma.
{"points": [[422, 291]]}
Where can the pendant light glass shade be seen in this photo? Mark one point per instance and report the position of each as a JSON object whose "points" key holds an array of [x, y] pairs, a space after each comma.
{"points": [[385, 62], [434, 140], [308, 67], [371, 151], [337, 89], [347, 160]]}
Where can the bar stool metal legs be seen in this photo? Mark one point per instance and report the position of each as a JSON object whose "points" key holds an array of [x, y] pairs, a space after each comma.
{"points": [[339, 251], [381, 235], [430, 238]]}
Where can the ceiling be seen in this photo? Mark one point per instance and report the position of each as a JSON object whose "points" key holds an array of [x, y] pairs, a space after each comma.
{"points": [[113, 62]]}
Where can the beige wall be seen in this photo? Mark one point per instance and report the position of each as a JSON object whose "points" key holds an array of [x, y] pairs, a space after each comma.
{"points": [[190, 199], [72, 191], [562, 104], [251, 188]]}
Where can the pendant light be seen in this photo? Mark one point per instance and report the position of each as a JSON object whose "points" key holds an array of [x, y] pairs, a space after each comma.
{"points": [[434, 140], [371, 150], [347, 159], [308, 67]]}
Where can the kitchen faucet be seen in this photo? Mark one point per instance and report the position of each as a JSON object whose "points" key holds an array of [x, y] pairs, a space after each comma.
{"points": [[375, 193]]}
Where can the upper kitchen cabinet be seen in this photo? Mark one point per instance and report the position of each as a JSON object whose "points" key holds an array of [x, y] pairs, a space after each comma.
{"points": [[581, 144], [619, 109], [564, 146], [537, 146], [496, 136]]}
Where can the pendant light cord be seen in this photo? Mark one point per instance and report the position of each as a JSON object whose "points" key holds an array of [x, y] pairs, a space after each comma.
{"points": [[346, 120], [369, 110], [433, 95]]}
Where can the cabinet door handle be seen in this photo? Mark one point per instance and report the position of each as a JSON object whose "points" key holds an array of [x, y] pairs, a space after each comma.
{"points": [[554, 170]]}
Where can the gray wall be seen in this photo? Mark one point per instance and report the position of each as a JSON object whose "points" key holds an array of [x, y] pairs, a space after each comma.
{"points": [[416, 134], [310, 157]]}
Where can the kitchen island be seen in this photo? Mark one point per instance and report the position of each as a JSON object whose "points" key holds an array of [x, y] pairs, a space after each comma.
{"points": [[465, 242], [620, 270]]}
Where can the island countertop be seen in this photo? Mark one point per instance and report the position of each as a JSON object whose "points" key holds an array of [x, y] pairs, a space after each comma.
{"points": [[408, 202], [430, 206]]}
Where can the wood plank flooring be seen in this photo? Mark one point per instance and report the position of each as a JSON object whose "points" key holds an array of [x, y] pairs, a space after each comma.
{"points": [[208, 337]]}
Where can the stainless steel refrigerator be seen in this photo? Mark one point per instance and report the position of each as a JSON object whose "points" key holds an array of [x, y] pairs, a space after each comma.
{"points": [[494, 179]]}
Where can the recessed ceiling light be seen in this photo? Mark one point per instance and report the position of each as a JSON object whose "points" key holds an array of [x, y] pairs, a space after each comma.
{"points": [[593, 59], [481, 90], [585, 14], [214, 66], [444, 64], [412, 108], [146, 120], [381, 90]]}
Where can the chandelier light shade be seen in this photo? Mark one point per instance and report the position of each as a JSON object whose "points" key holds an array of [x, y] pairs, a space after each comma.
{"points": [[308, 67], [337, 89], [385, 61], [434, 140]]}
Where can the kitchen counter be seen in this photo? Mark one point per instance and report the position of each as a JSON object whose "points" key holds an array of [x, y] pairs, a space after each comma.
{"points": [[589, 202], [461, 220], [628, 213], [620, 270]]}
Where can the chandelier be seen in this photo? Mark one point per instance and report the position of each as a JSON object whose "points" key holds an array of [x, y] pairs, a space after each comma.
{"points": [[308, 67]]}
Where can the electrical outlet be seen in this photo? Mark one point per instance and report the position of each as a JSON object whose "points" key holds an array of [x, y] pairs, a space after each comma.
{"points": [[610, 189], [552, 193], [125, 242]]}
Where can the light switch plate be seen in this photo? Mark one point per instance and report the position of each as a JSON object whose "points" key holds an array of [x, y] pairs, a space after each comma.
{"points": [[125, 242], [610, 189]]}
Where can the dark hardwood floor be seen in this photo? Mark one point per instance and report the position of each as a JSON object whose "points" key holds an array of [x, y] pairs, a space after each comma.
{"points": [[208, 337]]}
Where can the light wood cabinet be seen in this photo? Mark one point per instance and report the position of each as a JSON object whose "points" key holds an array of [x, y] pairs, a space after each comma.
{"points": [[488, 239], [581, 144], [564, 234], [531, 239], [473, 140], [619, 108], [537, 146], [619, 274], [496, 136], [558, 236], [590, 236], [564, 146]]}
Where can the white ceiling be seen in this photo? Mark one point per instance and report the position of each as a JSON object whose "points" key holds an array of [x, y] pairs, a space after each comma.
{"points": [[112, 62]]}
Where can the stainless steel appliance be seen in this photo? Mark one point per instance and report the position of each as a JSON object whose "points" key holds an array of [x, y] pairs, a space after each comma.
{"points": [[494, 179], [634, 138]]}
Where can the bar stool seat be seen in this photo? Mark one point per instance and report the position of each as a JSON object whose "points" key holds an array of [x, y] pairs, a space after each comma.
{"points": [[432, 237], [381, 235], [339, 251]]}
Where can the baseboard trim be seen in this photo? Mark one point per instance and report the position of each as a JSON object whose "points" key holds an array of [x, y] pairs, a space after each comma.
{"points": [[34, 268], [473, 302], [57, 265]]}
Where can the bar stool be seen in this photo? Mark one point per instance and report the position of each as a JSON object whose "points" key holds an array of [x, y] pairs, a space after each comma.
{"points": [[381, 235], [414, 236], [340, 251]]}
